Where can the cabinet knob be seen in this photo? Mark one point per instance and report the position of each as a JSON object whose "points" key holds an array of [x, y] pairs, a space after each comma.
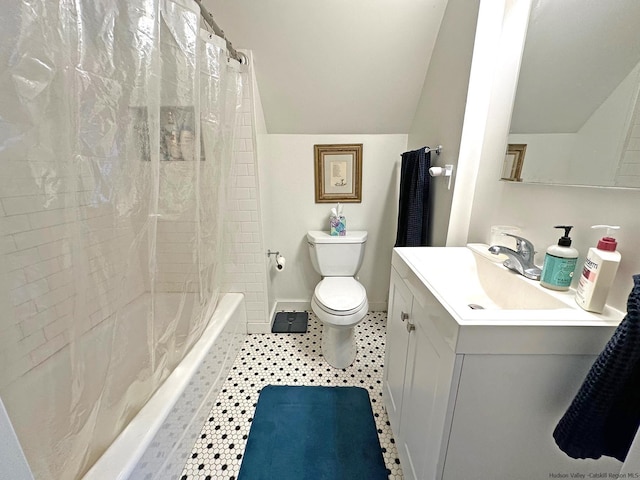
{"points": [[410, 327], [404, 316]]}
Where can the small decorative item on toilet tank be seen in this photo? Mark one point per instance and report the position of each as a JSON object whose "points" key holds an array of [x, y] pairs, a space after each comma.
{"points": [[337, 222]]}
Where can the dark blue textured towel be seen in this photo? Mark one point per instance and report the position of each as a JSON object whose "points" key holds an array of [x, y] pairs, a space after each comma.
{"points": [[413, 209], [605, 414]]}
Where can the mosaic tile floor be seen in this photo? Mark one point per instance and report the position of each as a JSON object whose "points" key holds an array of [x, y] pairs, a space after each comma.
{"points": [[287, 359]]}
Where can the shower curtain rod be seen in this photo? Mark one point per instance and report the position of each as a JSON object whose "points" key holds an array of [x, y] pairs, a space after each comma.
{"points": [[208, 18]]}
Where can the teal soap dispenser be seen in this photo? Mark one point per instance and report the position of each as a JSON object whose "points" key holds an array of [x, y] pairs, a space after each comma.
{"points": [[559, 263]]}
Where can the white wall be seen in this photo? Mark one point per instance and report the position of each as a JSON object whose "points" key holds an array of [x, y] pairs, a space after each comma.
{"points": [[537, 208], [628, 172], [286, 171], [439, 115], [601, 139], [590, 155], [287, 177], [547, 157]]}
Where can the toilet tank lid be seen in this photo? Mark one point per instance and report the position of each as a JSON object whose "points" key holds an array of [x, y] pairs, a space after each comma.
{"points": [[316, 236]]}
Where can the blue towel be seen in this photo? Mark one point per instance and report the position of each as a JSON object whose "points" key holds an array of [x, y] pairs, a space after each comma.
{"points": [[605, 414], [413, 209]]}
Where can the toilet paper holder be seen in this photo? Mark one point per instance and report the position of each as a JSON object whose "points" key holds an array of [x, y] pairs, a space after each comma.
{"points": [[446, 171], [280, 260]]}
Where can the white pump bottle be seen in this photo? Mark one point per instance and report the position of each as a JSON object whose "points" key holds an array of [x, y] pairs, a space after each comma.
{"points": [[599, 270]]}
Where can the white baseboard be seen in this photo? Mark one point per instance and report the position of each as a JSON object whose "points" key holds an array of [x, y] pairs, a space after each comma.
{"points": [[272, 313], [377, 306], [297, 306], [292, 306], [288, 306], [261, 327], [300, 306]]}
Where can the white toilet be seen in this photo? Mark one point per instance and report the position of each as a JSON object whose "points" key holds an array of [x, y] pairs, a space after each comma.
{"points": [[339, 300]]}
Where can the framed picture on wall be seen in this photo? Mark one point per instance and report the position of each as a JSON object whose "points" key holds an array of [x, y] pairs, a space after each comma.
{"points": [[513, 162], [338, 173]]}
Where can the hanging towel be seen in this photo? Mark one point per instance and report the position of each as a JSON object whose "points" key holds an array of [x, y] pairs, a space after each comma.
{"points": [[604, 416], [413, 210]]}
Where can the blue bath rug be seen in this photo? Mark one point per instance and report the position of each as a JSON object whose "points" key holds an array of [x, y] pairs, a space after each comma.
{"points": [[315, 433]]}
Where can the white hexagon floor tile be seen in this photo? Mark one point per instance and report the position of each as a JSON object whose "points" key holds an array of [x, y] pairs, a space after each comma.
{"points": [[287, 359]]}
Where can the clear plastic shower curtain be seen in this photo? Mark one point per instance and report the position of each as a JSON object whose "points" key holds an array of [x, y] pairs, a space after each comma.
{"points": [[116, 137]]}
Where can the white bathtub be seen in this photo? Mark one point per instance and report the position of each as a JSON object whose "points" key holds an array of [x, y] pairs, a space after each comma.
{"points": [[158, 441]]}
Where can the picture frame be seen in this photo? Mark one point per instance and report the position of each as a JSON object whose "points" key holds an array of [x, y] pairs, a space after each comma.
{"points": [[338, 173], [513, 162]]}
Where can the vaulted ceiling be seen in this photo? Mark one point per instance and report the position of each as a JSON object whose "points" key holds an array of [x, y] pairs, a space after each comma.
{"points": [[335, 66], [358, 66]]}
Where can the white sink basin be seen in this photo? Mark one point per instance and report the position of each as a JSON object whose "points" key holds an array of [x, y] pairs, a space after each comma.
{"points": [[490, 285], [460, 277]]}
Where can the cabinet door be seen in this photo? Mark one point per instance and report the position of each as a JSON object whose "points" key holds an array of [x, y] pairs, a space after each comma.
{"points": [[426, 392], [505, 412], [395, 356]]}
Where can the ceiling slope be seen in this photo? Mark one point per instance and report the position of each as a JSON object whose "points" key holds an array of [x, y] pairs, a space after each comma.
{"points": [[335, 66]]}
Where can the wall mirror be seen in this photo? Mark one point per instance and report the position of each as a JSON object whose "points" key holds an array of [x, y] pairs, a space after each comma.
{"points": [[577, 106]]}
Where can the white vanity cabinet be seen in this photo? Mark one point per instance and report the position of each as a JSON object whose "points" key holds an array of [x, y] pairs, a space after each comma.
{"points": [[419, 368], [475, 399]]}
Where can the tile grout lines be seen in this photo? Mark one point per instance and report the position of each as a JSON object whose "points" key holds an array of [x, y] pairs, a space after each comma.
{"points": [[287, 359]]}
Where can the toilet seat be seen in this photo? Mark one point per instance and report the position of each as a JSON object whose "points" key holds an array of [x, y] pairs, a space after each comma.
{"points": [[340, 296]]}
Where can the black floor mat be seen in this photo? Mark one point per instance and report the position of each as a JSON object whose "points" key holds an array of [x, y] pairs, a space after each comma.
{"points": [[290, 322]]}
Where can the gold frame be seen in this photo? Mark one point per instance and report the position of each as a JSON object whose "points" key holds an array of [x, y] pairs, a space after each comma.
{"points": [[513, 162], [345, 166]]}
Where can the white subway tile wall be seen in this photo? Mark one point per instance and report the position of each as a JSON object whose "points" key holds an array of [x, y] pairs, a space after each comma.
{"points": [[43, 211], [628, 173], [245, 268], [46, 298]]}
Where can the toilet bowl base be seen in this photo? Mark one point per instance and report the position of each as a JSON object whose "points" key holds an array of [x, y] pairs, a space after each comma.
{"points": [[338, 345]]}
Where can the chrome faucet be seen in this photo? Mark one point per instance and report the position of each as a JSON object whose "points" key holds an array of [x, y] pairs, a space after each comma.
{"points": [[521, 259]]}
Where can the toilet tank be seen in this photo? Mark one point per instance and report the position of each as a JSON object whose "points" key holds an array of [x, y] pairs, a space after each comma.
{"points": [[336, 256]]}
